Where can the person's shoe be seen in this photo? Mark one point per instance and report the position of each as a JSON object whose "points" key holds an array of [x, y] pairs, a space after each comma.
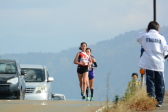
{"points": [[87, 98], [158, 105], [83, 97], [91, 99]]}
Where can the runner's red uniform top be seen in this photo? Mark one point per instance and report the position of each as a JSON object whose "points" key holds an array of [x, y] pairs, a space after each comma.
{"points": [[83, 58]]}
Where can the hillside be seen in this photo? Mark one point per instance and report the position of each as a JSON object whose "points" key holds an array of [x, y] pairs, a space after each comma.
{"points": [[118, 56]]}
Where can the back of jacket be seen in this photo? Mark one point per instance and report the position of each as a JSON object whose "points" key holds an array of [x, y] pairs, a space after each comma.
{"points": [[153, 44]]}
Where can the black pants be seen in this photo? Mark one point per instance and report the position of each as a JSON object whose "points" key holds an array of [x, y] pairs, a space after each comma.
{"points": [[155, 85]]}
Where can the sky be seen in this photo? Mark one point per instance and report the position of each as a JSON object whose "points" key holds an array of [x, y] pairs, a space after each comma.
{"points": [[56, 25]]}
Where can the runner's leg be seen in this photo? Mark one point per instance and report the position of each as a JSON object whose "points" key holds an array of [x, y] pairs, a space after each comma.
{"points": [[91, 82], [80, 77], [87, 91], [85, 81]]}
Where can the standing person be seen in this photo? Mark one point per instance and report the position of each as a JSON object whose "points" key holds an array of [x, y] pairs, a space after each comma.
{"points": [[134, 81], [153, 61], [91, 75], [134, 84], [82, 60]]}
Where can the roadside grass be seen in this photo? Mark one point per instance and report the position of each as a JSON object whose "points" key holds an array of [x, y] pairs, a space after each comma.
{"points": [[140, 101], [134, 99]]}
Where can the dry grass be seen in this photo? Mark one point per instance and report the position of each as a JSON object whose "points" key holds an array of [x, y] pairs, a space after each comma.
{"points": [[141, 102], [138, 101]]}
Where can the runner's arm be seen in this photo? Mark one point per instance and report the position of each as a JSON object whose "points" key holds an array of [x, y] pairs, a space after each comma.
{"points": [[76, 60], [90, 62], [94, 62]]}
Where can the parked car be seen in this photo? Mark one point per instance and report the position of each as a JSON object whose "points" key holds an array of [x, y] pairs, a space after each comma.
{"points": [[12, 84], [38, 82], [58, 97]]}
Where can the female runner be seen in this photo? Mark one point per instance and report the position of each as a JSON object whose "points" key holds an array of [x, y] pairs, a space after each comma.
{"points": [[91, 75], [82, 60]]}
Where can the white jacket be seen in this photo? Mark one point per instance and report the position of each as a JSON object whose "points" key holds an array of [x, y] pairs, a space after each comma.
{"points": [[165, 50], [153, 44]]}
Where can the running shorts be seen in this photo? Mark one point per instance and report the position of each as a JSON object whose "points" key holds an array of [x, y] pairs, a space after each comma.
{"points": [[82, 69], [91, 75]]}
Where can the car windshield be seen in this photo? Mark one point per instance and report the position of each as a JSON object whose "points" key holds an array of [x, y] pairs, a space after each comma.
{"points": [[34, 75], [58, 98], [7, 67]]}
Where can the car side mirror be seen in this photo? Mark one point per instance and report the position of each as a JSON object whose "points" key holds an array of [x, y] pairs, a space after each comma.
{"points": [[50, 79], [23, 73]]}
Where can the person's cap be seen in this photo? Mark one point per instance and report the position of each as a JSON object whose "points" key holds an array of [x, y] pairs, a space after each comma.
{"points": [[134, 74]]}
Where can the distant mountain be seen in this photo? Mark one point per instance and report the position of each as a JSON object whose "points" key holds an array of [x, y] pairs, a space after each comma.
{"points": [[117, 57]]}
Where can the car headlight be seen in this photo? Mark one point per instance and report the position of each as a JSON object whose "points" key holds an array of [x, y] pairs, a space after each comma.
{"points": [[41, 89], [13, 80]]}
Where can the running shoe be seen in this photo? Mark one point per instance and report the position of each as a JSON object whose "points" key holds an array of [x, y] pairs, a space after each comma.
{"points": [[87, 98], [83, 97], [91, 98]]}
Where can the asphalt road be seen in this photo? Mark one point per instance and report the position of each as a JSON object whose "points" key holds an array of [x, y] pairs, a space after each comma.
{"points": [[59, 106], [164, 107], [49, 106]]}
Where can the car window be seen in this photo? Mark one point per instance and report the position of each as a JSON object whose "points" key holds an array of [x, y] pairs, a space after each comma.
{"points": [[34, 75], [7, 67]]}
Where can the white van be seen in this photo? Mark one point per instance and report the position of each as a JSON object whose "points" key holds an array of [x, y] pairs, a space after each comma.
{"points": [[38, 82]]}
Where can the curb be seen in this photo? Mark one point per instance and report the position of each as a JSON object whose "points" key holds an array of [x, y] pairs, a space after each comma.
{"points": [[103, 108]]}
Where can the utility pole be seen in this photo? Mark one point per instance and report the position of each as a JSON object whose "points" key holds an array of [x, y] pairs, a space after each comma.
{"points": [[154, 10]]}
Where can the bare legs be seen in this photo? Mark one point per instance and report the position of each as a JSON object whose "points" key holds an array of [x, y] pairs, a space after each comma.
{"points": [[91, 82], [83, 81], [80, 81]]}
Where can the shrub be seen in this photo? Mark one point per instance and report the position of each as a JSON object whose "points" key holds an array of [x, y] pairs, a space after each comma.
{"points": [[135, 99], [140, 101]]}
